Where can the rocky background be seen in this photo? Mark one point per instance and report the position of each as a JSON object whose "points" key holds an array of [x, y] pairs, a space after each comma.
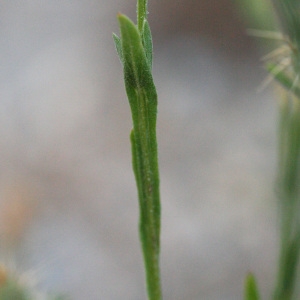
{"points": [[68, 203]]}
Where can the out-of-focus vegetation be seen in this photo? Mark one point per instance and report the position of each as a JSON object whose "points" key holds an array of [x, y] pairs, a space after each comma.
{"points": [[257, 13]]}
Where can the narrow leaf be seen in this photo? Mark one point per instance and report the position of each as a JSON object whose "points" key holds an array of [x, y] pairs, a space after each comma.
{"points": [[118, 46], [284, 79], [251, 291], [147, 42], [137, 74], [142, 97]]}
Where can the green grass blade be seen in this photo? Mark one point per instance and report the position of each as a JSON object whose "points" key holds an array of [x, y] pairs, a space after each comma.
{"points": [[251, 290]]}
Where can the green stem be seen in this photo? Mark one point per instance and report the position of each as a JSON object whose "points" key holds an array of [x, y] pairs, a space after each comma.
{"points": [[289, 149], [144, 157], [145, 166], [289, 145], [135, 52], [288, 260], [141, 13]]}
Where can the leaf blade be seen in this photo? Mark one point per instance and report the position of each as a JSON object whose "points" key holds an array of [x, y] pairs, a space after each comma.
{"points": [[147, 42], [118, 46], [251, 290]]}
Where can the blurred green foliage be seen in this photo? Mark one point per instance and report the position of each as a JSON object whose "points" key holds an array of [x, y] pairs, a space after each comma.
{"points": [[13, 291], [257, 13]]}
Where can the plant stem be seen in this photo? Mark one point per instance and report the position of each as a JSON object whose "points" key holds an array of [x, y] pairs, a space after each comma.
{"points": [[289, 155], [141, 13], [135, 52], [289, 148], [145, 166]]}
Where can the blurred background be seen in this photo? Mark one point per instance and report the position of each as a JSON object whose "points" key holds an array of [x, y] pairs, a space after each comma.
{"points": [[68, 203]]}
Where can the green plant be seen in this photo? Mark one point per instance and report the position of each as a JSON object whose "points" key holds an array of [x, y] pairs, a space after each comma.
{"points": [[284, 65], [251, 291], [286, 73], [135, 52], [134, 48]]}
